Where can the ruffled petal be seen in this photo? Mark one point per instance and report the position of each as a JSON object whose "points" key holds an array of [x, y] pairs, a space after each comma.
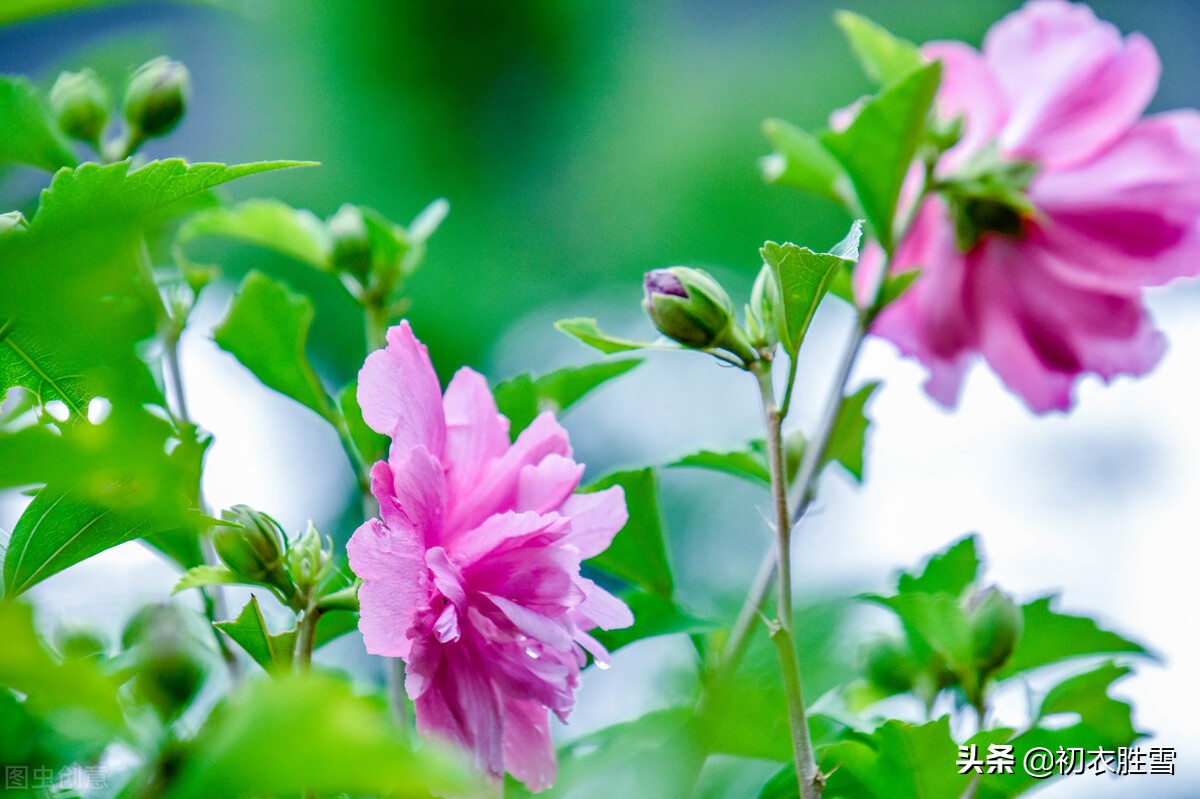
{"points": [[1074, 85], [596, 518], [600, 608], [528, 750], [400, 395], [395, 587], [476, 433], [544, 487], [416, 492]]}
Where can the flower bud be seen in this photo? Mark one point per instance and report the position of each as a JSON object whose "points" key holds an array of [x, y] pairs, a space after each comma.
{"points": [[688, 305], [80, 104], [13, 220], [156, 96], [351, 250], [168, 666], [996, 624], [761, 311], [309, 562], [890, 665], [252, 546]]}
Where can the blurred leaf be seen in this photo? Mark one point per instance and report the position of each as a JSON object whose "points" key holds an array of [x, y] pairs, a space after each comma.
{"points": [[587, 331], [878, 147], [1050, 637], [181, 546], [895, 285], [884, 57], [802, 162], [307, 732], [58, 530], [523, 397], [333, 625], [266, 330], [803, 278], [653, 615], [271, 224], [371, 445], [200, 576], [72, 691], [250, 632], [638, 553], [27, 135], [748, 464], [948, 572], [938, 621], [848, 437]]}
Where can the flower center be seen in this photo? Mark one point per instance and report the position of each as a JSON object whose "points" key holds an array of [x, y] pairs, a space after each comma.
{"points": [[988, 196]]}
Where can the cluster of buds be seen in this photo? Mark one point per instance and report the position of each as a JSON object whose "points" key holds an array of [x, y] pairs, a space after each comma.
{"points": [[690, 307], [154, 102], [254, 548]]}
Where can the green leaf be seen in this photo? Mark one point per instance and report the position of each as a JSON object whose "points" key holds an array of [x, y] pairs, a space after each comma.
{"points": [[333, 625], [748, 464], [1050, 637], [848, 436], [895, 285], [802, 162], [73, 691], [523, 397], [878, 147], [587, 331], [371, 445], [949, 572], [58, 530], [270, 224], [896, 761], [307, 732], [267, 329], [27, 136], [200, 576], [935, 622], [884, 57], [803, 278], [638, 553], [653, 615], [250, 632]]}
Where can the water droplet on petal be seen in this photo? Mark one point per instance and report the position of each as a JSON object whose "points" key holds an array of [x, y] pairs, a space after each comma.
{"points": [[603, 665], [532, 652]]}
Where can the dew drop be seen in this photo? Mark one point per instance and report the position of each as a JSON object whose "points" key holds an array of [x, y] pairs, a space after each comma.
{"points": [[603, 665], [533, 653]]}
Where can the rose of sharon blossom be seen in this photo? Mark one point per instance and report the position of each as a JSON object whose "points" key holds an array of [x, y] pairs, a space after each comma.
{"points": [[471, 575], [1116, 200]]}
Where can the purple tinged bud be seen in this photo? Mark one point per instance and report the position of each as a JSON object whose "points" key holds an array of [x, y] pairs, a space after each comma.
{"points": [[662, 281]]}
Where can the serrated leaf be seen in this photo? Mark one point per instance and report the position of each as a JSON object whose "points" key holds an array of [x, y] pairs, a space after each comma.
{"points": [[848, 436], [200, 576], [803, 278], [884, 58], [523, 397], [638, 553], [897, 761], [27, 136], [948, 572], [878, 147], [589, 332], [249, 631], [748, 464], [653, 616], [307, 732], [267, 330], [58, 530], [802, 162], [270, 224], [1049, 637], [936, 622]]}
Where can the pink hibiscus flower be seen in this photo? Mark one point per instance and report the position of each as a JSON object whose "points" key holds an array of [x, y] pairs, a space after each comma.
{"points": [[1050, 293], [472, 573]]}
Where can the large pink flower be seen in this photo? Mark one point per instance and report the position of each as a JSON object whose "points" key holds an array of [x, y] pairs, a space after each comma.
{"points": [[1117, 200], [472, 574]]}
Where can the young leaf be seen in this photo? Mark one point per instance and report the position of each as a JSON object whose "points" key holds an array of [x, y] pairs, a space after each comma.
{"points": [[523, 397], [936, 621], [897, 761], [58, 530], [587, 331], [895, 285], [948, 572], [200, 576], [884, 57], [27, 136], [803, 278], [748, 464], [1050, 637], [878, 147], [638, 554], [250, 632], [848, 437], [267, 329], [802, 162], [271, 224], [307, 732]]}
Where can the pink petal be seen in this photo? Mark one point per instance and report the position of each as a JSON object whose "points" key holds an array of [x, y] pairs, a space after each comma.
{"points": [[505, 531], [528, 750], [410, 493], [600, 608], [597, 650], [544, 487], [460, 703], [542, 628], [969, 89], [476, 433], [400, 395], [392, 567], [447, 577], [1074, 85], [596, 518]]}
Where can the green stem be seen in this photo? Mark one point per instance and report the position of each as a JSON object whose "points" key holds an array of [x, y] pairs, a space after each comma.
{"points": [[809, 778], [306, 634]]}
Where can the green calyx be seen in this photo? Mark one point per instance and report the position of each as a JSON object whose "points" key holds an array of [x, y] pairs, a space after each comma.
{"points": [[987, 196], [253, 546], [689, 306]]}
